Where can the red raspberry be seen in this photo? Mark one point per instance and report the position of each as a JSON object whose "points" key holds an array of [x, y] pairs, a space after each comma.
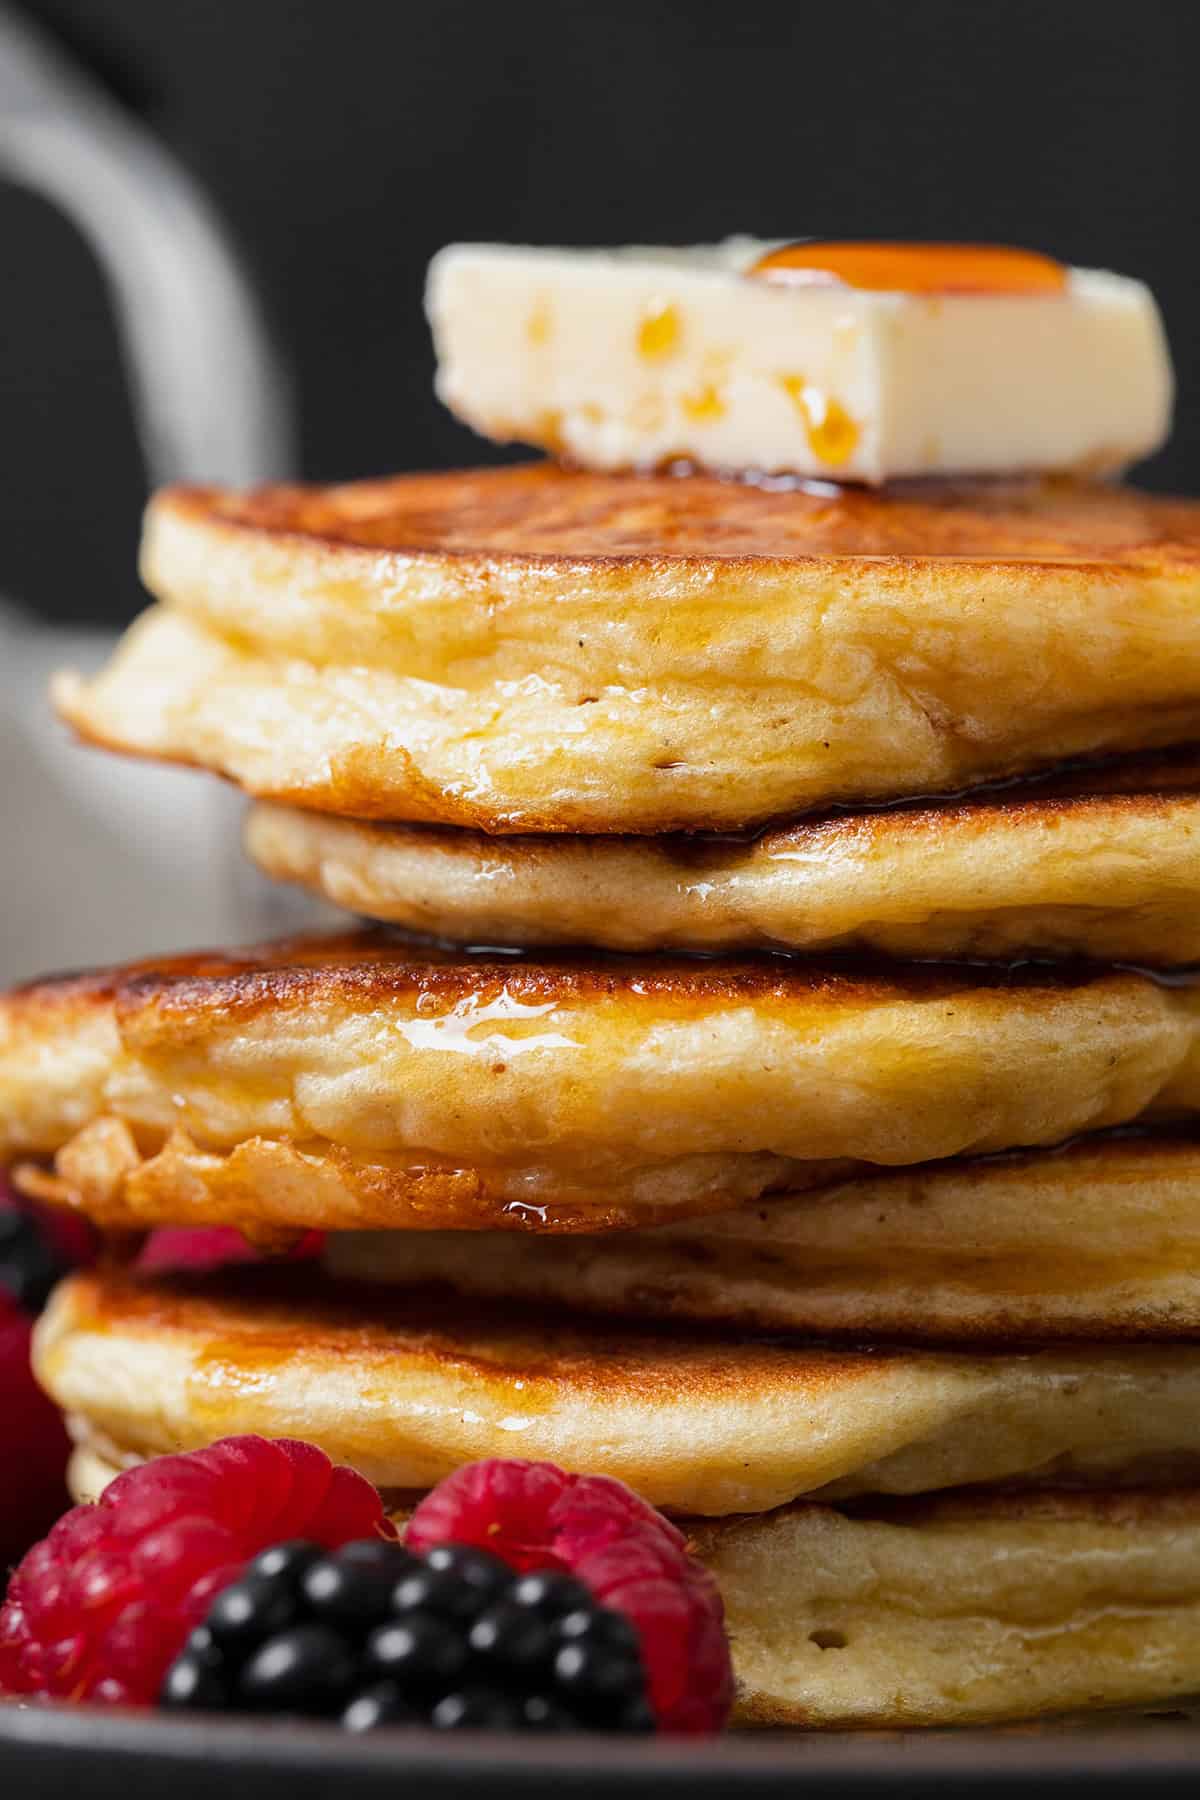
{"points": [[212, 1247], [100, 1608], [34, 1491], [536, 1516]]}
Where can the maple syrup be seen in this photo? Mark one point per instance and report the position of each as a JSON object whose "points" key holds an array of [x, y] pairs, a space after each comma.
{"points": [[913, 268], [659, 332], [832, 434]]}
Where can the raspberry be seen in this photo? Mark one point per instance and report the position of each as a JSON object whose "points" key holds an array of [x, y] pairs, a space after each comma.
{"points": [[212, 1247], [34, 1492], [629, 1557], [195, 1247], [372, 1635], [100, 1608]]}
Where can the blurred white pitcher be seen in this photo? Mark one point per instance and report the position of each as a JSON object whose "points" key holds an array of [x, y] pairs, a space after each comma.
{"points": [[104, 858]]}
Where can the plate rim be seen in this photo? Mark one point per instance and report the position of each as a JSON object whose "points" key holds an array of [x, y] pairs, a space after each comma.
{"points": [[93, 1742]]}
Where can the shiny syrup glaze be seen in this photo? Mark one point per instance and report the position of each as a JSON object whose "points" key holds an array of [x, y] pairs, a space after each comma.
{"points": [[854, 968], [1135, 774], [913, 268]]}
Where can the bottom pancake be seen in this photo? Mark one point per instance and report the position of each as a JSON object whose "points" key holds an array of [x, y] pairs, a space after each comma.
{"points": [[962, 1610], [405, 1385], [1100, 1239]]}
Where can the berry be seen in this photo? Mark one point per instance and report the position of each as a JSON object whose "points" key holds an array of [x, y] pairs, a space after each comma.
{"points": [[176, 1247], [476, 1709], [550, 1592], [242, 1611], [617, 1550], [417, 1648], [455, 1640], [193, 1682], [345, 1590], [30, 1264], [513, 1632], [376, 1706], [102, 1607], [309, 1669], [293, 1559], [453, 1579], [35, 1440]]}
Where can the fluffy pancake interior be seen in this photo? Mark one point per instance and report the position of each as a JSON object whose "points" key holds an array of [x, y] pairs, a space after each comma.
{"points": [[526, 650], [355, 1081], [964, 1611], [407, 1385], [1103, 864]]}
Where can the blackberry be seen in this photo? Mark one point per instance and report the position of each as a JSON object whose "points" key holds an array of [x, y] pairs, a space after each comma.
{"points": [[29, 1264], [372, 1635]]}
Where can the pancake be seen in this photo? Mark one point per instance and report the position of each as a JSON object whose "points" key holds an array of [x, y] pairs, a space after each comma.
{"points": [[952, 1610], [355, 1081], [528, 649], [947, 1611], [406, 1385], [961, 1610], [1103, 863], [1100, 1240], [91, 1468]]}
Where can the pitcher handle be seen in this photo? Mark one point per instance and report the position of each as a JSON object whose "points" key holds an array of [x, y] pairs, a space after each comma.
{"points": [[210, 396]]}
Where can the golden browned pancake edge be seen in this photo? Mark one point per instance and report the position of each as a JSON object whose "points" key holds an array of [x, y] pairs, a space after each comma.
{"points": [[527, 649], [353, 1080], [1102, 862], [406, 1384], [538, 512], [1097, 1241]]}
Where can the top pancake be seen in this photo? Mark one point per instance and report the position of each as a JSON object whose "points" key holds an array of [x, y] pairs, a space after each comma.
{"points": [[534, 650], [539, 513]]}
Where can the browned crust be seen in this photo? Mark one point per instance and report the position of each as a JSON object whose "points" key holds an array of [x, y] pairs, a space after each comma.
{"points": [[103, 1174], [1148, 782], [359, 968], [541, 514], [256, 1317], [1152, 785], [1122, 1506], [121, 1189]]}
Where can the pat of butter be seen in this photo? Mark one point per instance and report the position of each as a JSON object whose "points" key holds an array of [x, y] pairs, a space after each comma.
{"points": [[640, 358]]}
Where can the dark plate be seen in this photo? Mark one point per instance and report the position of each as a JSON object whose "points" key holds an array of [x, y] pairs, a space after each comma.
{"points": [[84, 1755]]}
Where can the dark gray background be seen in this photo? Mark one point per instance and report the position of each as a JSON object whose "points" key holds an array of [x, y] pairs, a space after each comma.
{"points": [[347, 139]]}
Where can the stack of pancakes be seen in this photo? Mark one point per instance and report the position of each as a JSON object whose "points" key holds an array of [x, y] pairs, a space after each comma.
{"points": [[644, 1151]]}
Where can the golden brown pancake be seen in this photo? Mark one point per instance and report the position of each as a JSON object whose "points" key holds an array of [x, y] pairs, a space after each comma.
{"points": [[357, 1081], [406, 1385], [960, 1610], [1104, 863], [963, 1608], [1100, 1240], [527, 649]]}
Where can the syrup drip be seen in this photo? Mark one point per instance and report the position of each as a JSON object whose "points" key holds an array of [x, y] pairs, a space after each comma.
{"points": [[659, 333], [913, 268], [832, 434]]}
